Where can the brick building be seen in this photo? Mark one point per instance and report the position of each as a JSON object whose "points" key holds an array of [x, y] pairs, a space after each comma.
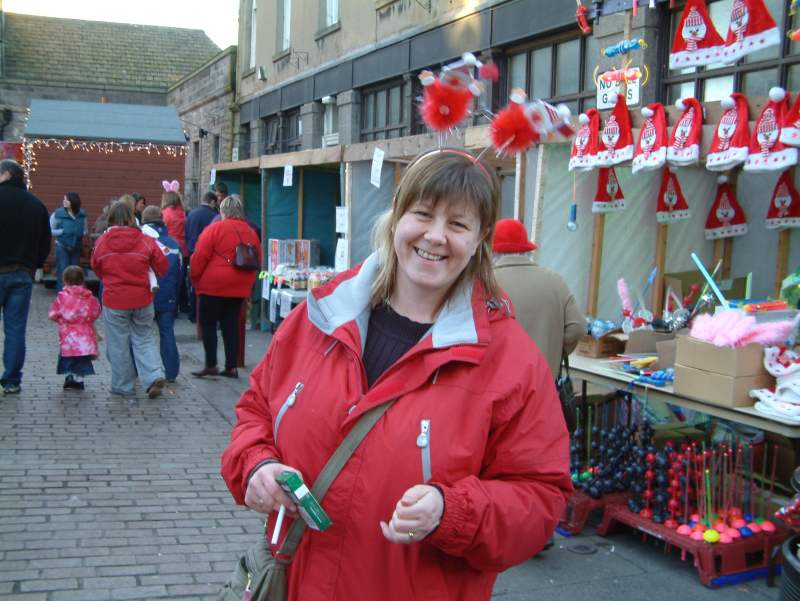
{"points": [[205, 103]]}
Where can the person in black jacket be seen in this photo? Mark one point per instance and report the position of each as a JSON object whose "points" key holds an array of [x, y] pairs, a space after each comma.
{"points": [[24, 246]]}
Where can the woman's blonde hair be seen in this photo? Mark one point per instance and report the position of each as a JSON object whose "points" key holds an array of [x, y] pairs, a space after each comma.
{"points": [[129, 200], [232, 207], [121, 214], [450, 175], [171, 199]]}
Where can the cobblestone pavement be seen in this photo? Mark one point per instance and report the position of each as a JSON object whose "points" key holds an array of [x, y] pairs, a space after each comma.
{"points": [[105, 498]]}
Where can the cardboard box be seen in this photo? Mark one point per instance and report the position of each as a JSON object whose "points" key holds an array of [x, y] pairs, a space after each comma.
{"points": [[681, 283], [666, 353], [644, 341], [734, 362], [607, 346], [307, 253], [718, 389], [281, 252]]}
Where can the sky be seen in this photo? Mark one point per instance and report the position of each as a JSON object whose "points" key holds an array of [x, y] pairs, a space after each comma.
{"points": [[218, 18]]}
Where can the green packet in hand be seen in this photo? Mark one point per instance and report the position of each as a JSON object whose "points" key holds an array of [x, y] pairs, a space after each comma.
{"points": [[308, 506]]}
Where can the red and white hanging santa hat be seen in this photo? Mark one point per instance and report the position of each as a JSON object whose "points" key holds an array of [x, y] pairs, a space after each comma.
{"points": [[726, 217], [609, 197], [784, 208], [731, 143], [583, 155], [671, 204], [790, 130], [616, 139], [751, 28], [684, 141], [651, 147], [767, 152], [696, 39]]}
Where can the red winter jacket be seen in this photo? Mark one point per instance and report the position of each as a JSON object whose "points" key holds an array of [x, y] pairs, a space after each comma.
{"points": [[211, 266], [175, 220], [121, 258], [497, 444]]}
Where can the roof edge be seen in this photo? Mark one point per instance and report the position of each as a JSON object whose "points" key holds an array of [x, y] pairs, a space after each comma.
{"points": [[220, 55]]}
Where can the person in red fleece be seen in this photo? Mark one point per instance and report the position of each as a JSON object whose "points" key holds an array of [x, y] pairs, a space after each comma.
{"points": [[467, 473], [122, 257], [221, 286]]}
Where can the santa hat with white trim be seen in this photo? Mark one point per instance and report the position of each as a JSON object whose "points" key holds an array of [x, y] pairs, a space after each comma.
{"points": [[616, 139], [726, 217], [671, 204], [609, 197], [790, 130], [651, 147], [751, 28], [767, 152], [583, 155], [696, 39], [684, 142], [784, 208], [731, 143]]}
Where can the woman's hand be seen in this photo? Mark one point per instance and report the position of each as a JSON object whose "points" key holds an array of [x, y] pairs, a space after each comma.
{"points": [[416, 515], [264, 494]]}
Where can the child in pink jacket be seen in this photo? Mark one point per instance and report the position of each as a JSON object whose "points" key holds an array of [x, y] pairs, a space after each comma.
{"points": [[75, 311]]}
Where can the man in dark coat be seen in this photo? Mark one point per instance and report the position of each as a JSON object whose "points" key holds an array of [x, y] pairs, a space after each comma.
{"points": [[24, 246], [197, 220]]}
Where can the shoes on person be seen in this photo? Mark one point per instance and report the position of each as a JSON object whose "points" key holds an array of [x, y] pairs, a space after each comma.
{"points": [[155, 388], [123, 392], [11, 389], [171, 380], [230, 373], [206, 371], [68, 382]]}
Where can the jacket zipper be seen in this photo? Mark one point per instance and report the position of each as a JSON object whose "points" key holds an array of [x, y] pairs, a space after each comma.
{"points": [[424, 443], [290, 400]]}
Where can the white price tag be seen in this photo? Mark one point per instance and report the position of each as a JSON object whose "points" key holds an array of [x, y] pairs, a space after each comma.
{"points": [[341, 220], [340, 262], [377, 165], [607, 93], [288, 171]]}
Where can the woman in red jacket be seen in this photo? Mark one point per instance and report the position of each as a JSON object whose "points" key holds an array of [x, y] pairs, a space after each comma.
{"points": [[122, 258], [467, 473], [221, 286]]}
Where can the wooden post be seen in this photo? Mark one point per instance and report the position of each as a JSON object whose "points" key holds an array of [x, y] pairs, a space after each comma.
{"points": [[348, 202], [398, 174], [597, 256], [657, 298], [300, 203], [538, 196], [521, 169], [781, 269], [264, 249]]}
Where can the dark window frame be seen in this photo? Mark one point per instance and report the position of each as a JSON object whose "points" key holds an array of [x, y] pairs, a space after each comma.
{"points": [[291, 138], [395, 129], [739, 69], [587, 92]]}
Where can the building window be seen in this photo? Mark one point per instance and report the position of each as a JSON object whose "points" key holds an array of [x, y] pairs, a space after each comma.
{"points": [[384, 113], [559, 71], [330, 12], [284, 25], [244, 141], [252, 39], [216, 150], [753, 74], [272, 126], [293, 131]]}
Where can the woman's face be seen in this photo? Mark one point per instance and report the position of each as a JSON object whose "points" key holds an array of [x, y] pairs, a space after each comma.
{"points": [[434, 244], [66, 204]]}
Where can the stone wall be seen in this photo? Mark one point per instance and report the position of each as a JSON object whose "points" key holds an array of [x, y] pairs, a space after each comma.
{"points": [[204, 100]]}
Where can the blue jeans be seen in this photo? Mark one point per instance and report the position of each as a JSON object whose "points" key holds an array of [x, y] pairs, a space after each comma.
{"points": [[15, 300], [167, 344], [65, 258], [130, 332]]}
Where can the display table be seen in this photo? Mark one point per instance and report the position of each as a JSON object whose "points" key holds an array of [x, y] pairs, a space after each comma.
{"points": [[282, 301], [602, 372]]}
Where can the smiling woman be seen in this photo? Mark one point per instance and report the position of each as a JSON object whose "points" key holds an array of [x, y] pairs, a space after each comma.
{"points": [[466, 473]]}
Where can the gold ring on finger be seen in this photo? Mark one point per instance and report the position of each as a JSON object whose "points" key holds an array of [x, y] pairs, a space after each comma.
{"points": [[410, 535]]}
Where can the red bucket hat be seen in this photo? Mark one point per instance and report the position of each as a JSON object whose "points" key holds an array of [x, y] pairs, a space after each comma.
{"points": [[510, 237]]}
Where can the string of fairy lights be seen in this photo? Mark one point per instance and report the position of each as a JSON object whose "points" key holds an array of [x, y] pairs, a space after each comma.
{"points": [[29, 147]]}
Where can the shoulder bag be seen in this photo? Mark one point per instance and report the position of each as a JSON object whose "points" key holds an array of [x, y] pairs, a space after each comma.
{"points": [[245, 256], [258, 575], [566, 394]]}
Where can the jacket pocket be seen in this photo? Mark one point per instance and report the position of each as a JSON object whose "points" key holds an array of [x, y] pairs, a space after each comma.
{"points": [[424, 444], [289, 402]]}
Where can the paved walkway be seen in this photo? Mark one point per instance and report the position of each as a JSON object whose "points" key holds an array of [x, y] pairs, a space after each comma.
{"points": [[105, 498]]}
